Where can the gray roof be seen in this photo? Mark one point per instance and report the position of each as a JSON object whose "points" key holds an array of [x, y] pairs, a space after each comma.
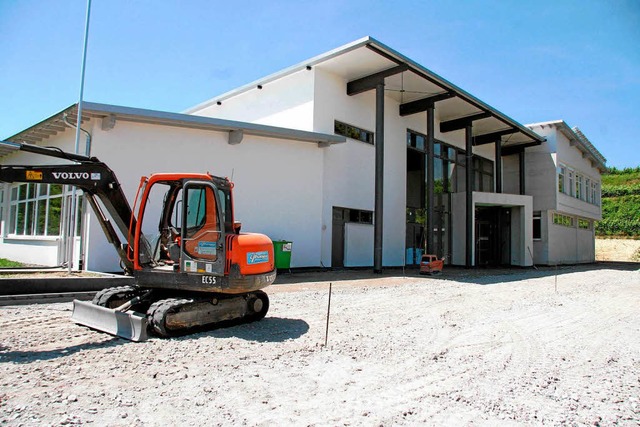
{"points": [[500, 120], [56, 123]]}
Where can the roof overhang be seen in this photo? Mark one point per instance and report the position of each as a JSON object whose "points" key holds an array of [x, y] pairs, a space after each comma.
{"points": [[409, 83], [111, 114], [579, 140]]}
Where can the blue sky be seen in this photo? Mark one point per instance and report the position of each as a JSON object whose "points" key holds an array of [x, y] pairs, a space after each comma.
{"points": [[533, 60]]}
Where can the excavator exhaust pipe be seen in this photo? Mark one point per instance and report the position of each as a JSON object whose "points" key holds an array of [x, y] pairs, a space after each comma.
{"points": [[129, 324]]}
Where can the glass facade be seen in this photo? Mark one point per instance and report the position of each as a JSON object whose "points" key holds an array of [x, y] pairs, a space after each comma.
{"points": [[35, 210], [449, 174]]}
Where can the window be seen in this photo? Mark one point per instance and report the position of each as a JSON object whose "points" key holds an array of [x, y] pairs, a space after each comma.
{"points": [[579, 188], [562, 172], [537, 226], [35, 210], [353, 132], [565, 220], [483, 174], [584, 224], [360, 216], [449, 166], [571, 184], [416, 140], [196, 209], [576, 184]]}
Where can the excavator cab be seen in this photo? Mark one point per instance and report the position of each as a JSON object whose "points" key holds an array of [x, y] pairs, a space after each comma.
{"points": [[182, 226], [186, 229]]}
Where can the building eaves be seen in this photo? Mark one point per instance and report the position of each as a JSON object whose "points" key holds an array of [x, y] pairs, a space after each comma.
{"points": [[589, 146], [577, 138], [56, 123], [391, 54]]}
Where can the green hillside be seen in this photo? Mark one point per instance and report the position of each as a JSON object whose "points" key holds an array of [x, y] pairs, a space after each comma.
{"points": [[620, 203]]}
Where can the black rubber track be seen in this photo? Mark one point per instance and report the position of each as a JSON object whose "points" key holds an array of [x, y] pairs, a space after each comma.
{"points": [[115, 297], [159, 310]]}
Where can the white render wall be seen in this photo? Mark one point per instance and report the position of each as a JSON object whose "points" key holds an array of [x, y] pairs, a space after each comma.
{"points": [[570, 245], [560, 244], [571, 157], [541, 178], [286, 102], [278, 183]]}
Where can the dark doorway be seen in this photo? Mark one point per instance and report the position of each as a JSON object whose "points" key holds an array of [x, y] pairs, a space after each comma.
{"points": [[493, 236], [340, 217], [415, 239]]}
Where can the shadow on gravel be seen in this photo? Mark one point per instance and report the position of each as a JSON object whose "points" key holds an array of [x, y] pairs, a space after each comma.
{"points": [[269, 329], [492, 276], [479, 276], [33, 356]]}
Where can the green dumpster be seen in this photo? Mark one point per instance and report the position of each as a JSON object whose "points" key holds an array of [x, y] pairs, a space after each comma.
{"points": [[282, 253]]}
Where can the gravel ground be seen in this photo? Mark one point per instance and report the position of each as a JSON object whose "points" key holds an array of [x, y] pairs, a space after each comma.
{"points": [[501, 347]]}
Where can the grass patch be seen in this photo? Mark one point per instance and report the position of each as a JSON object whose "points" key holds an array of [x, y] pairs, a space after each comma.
{"points": [[5, 263], [620, 203]]}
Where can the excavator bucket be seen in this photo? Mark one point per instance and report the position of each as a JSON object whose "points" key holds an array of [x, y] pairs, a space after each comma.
{"points": [[129, 324]]}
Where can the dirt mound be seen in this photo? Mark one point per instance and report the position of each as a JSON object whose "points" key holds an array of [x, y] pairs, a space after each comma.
{"points": [[625, 250]]}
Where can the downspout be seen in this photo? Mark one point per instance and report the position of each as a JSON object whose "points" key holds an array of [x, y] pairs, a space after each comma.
{"points": [[87, 151], [84, 200]]}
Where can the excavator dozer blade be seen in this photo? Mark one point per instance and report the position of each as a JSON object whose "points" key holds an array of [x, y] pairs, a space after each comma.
{"points": [[125, 324]]}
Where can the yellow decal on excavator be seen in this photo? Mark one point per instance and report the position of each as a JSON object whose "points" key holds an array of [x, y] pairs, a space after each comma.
{"points": [[34, 176]]}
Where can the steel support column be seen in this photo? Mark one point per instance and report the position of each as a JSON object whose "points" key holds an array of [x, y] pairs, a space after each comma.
{"points": [[430, 178], [522, 174], [379, 180], [469, 193], [498, 166]]}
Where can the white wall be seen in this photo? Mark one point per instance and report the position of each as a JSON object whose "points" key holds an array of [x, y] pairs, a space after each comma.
{"points": [[31, 251], [571, 157], [541, 177], [278, 183], [511, 174], [358, 241], [570, 245], [349, 169], [541, 246], [286, 102]]}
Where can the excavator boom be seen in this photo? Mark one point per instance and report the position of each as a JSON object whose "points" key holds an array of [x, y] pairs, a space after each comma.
{"points": [[95, 178]]}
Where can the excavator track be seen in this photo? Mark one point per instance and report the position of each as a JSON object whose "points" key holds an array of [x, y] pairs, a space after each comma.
{"points": [[178, 316], [115, 297]]}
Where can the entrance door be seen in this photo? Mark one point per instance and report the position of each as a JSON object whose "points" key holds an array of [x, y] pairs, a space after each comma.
{"points": [[493, 236], [485, 240], [340, 216]]}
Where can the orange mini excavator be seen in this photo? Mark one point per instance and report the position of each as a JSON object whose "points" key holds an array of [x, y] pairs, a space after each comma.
{"points": [[193, 269]]}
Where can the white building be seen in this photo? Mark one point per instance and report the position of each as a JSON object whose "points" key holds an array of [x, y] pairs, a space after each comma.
{"points": [[564, 178], [384, 177]]}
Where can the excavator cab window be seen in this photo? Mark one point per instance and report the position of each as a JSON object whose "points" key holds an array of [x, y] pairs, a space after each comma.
{"points": [[197, 211], [201, 232]]}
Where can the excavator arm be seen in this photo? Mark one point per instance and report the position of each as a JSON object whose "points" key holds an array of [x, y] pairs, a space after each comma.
{"points": [[95, 178]]}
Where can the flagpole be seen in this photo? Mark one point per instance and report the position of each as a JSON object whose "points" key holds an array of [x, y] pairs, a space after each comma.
{"points": [[74, 199]]}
